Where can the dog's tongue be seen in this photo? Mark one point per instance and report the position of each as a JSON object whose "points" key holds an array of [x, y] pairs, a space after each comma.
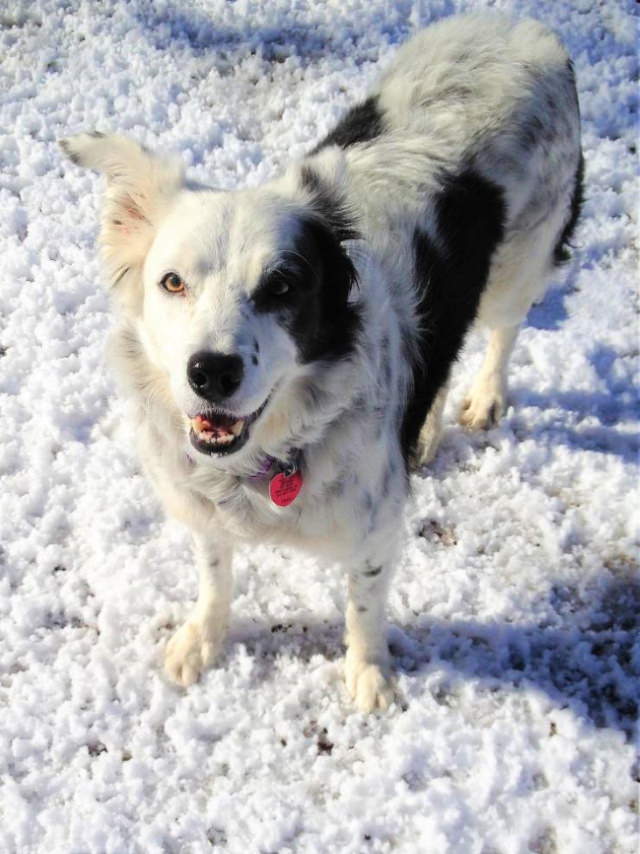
{"points": [[217, 425], [201, 423]]}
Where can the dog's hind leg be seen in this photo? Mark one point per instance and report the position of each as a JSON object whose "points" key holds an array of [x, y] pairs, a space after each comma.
{"points": [[196, 644], [518, 278], [486, 400], [429, 437]]}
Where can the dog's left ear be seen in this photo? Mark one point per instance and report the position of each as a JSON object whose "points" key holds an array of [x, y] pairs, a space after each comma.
{"points": [[140, 187], [329, 224], [322, 178]]}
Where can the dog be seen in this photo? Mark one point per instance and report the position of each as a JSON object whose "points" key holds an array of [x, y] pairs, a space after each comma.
{"points": [[287, 348]]}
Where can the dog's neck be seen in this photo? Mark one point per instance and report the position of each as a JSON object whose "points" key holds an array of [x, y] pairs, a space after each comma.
{"points": [[268, 465], [271, 464]]}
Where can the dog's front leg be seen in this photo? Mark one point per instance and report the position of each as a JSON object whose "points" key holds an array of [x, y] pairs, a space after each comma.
{"points": [[196, 644], [367, 660]]}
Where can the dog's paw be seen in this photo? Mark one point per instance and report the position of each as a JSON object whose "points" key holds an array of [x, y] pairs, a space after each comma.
{"points": [[191, 651], [368, 684], [483, 407], [431, 432]]}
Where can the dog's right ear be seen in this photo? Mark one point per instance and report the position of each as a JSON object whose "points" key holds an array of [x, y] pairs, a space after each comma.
{"points": [[140, 187]]}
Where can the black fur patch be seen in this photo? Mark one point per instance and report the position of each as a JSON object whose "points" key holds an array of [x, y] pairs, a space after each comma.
{"points": [[120, 273], [561, 250], [315, 308], [371, 573], [449, 277], [531, 132], [362, 123]]}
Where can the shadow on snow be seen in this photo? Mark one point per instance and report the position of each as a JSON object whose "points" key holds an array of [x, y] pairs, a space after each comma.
{"points": [[586, 659]]}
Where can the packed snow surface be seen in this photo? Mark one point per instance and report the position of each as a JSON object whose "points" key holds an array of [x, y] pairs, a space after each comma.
{"points": [[515, 611]]}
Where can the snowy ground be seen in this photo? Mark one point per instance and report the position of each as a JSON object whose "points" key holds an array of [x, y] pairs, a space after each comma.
{"points": [[516, 609]]}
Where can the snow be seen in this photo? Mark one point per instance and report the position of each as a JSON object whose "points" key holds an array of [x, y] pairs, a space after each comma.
{"points": [[515, 610]]}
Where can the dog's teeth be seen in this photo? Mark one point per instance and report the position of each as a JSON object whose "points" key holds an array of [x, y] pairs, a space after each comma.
{"points": [[224, 439], [220, 430]]}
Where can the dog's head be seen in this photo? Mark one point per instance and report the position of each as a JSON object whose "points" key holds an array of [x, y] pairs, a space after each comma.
{"points": [[233, 294]]}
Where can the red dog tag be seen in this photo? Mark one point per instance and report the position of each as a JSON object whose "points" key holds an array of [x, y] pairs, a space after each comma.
{"points": [[284, 490]]}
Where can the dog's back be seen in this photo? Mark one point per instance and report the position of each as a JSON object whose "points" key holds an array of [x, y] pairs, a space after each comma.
{"points": [[465, 168], [476, 90]]}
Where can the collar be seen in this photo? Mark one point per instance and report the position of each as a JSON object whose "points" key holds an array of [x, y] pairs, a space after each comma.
{"points": [[270, 465], [284, 478], [281, 479]]}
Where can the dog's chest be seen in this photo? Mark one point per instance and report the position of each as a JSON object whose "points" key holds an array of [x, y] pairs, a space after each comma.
{"points": [[312, 520], [330, 510]]}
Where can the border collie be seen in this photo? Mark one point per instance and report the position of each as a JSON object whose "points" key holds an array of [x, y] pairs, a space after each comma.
{"points": [[287, 348]]}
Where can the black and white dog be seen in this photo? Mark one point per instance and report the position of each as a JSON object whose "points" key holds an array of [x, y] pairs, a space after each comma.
{"points": [[288, 347]]}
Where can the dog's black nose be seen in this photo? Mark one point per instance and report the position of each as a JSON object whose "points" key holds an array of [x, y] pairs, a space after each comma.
{"points": [[214, 376]]}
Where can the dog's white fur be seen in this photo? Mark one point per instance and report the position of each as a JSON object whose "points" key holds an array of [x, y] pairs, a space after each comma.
{"points": [[343, 414]]}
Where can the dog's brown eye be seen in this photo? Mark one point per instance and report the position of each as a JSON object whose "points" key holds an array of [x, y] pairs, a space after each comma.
{"points": [[173, 283], [278, 286]]}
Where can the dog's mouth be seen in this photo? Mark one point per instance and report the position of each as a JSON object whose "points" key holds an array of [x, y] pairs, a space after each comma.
{"points": [[217, 432]]}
